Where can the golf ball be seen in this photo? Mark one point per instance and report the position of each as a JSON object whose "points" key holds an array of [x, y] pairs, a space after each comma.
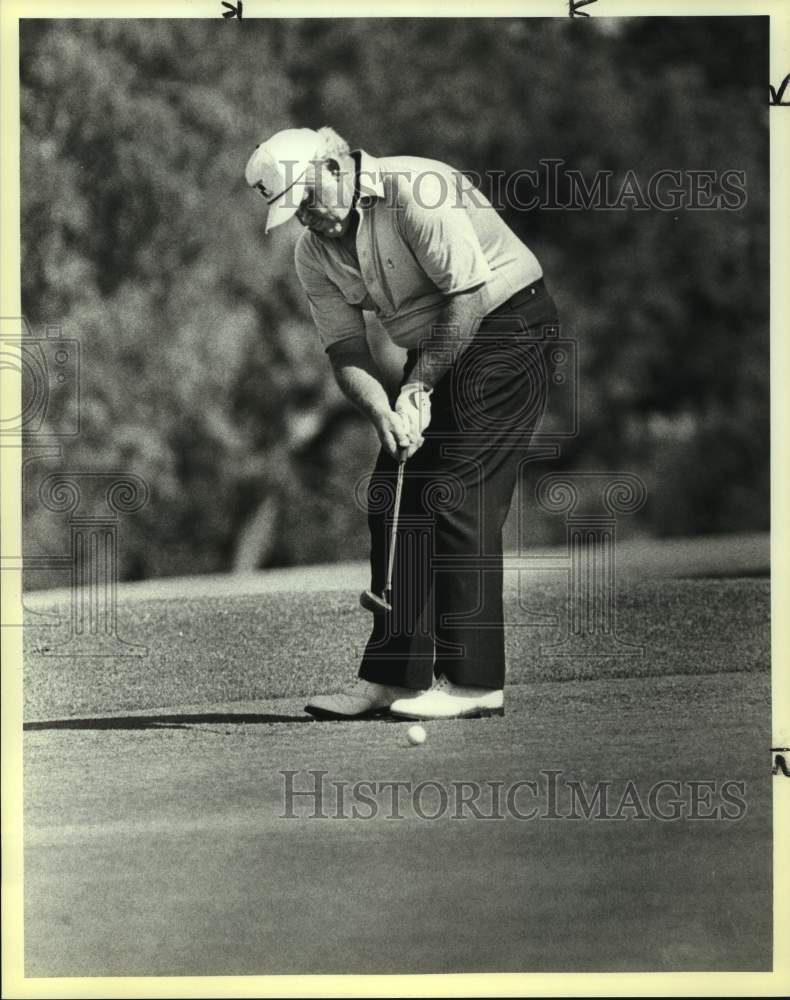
{"points": [[416, 735]]}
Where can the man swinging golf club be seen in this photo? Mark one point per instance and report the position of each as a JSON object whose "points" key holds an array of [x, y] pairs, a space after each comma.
{"points": [[413, 241]]}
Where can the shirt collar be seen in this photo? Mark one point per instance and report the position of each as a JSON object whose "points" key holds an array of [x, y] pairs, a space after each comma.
{"points": [[369, 178]]}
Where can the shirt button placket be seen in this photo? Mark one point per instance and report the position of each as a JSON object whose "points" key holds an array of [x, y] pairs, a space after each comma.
{"points": [[365, 261], [365, 265]]}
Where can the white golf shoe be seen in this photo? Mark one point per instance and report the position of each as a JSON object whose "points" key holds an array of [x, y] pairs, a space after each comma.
{"points": [[364, 700], [446, 700]]}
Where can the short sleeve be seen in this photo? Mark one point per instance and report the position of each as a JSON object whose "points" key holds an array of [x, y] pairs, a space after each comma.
{"points": [[437, 228], [334, 318]]}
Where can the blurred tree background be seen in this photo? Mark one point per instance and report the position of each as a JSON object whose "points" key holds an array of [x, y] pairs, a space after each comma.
{"points": [[200, 369]]}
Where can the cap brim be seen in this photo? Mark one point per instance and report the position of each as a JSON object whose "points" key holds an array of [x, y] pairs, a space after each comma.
{"points": [[286, 206]]}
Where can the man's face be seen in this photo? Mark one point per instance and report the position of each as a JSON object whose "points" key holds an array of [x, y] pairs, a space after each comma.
{"points": [[326, 205]]}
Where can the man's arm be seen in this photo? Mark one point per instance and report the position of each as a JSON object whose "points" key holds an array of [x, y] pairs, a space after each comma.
{"points": [[448, 338], [360, 381], [341, 328], [444, 242]]}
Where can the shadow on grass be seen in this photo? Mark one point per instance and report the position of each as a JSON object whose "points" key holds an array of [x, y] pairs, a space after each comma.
{"points": [[164, 721]]}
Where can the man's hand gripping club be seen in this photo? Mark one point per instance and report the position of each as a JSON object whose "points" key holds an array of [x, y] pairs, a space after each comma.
{"points": [[413, 405], [399, 430]]}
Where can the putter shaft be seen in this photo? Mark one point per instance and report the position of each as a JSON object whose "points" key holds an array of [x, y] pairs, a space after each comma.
{"points": [[395, 516]]}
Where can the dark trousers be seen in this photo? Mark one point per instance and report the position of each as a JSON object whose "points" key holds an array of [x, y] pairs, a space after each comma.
{"points": [[447, 615]]}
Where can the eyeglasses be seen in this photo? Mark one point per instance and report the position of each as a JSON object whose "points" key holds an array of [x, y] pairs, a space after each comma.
{"points": [[308, 202]]}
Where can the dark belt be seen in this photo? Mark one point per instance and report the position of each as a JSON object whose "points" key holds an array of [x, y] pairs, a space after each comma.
{"points": [[526, 294], [532, 303]]}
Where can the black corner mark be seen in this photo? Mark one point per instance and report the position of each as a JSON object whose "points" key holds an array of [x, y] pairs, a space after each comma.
{"points": [[574, 5], [779, 762], [777, 95], [234, 9]]}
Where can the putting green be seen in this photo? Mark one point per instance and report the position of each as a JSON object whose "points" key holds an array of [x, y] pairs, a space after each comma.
{"points": [[157, 840]]}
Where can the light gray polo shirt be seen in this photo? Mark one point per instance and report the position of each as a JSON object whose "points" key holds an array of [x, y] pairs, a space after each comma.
{"points": [[424, 233]]}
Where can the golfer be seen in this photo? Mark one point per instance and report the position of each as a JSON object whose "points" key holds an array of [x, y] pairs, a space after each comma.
{"points": [[413, 241]]}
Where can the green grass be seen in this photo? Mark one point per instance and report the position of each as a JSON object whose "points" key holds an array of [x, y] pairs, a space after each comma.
{"points": [[158, 847], [208, 650]]}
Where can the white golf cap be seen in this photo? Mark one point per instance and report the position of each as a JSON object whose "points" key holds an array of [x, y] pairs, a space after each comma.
{"points": [[277, 169]]}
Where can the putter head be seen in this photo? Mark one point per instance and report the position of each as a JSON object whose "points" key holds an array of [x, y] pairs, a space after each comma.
{"points": [[372, 602]]}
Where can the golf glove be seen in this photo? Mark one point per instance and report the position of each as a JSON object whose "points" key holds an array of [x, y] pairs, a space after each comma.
{"points": [[414, 406]]}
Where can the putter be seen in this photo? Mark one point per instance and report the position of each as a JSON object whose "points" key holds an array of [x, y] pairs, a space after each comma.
{"points": [[367, 599]]}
